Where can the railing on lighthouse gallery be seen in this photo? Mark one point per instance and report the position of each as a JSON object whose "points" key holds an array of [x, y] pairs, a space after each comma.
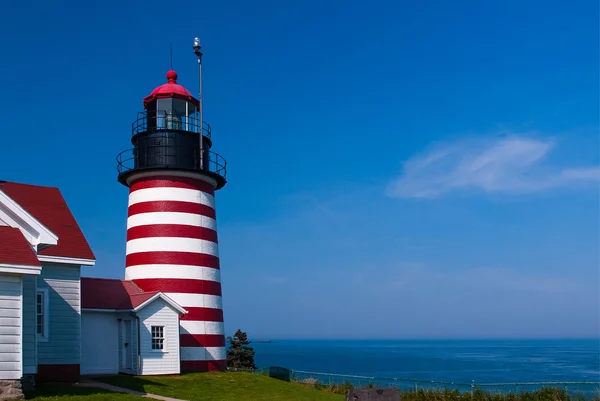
{"points": [[171, 140], [167, 156]]}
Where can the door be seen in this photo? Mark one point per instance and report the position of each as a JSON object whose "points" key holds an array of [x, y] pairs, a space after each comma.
{"points": [[126, 345]]}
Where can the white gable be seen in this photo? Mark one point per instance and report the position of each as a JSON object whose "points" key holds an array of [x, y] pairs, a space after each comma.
{"points": [[174, 305], [13, 215]]}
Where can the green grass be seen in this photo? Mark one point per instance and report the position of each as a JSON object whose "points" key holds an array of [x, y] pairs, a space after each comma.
{"points": [[67, 392], [238, 386], [229, 386]]}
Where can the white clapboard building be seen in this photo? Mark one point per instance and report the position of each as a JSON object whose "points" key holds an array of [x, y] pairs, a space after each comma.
{"points": [[56, 325]]}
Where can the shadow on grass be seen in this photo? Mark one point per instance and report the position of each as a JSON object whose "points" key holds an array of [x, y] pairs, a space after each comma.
{"points": [[135, 383], [62, 389]]}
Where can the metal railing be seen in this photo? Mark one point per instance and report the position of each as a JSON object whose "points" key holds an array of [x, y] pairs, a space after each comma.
{"points": [[153, 121], [588, 390], [171, 156]]}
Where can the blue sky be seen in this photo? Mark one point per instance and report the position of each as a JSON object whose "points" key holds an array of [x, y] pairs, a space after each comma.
{"points": [[396, 170]]}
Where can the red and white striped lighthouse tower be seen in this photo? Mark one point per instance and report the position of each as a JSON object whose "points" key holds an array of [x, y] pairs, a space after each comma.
{"points": [[172, 177]]}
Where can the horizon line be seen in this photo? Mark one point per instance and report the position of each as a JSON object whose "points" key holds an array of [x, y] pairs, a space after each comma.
{"points": [[263, 338]]}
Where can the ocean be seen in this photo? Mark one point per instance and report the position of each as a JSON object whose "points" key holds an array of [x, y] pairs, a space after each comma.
{"points": [[458, 361]]}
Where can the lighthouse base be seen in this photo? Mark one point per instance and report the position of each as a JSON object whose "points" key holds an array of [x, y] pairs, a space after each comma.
{"points": [[203, 366]]}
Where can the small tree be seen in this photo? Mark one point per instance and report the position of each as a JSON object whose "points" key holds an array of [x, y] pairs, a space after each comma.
{"points": [[239, 354]]}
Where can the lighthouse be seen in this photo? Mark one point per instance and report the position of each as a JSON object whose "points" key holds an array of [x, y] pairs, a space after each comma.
{"points": [[172, 175]]}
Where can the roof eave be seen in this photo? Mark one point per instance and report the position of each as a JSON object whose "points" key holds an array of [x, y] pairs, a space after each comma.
{"points": [[83, 309], [67, 260], [34, 270]]}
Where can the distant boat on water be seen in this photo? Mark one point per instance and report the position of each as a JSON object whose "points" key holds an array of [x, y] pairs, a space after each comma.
{"points": [[262, 341]]}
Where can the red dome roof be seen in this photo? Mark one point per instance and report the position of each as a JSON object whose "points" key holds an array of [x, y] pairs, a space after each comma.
{"points": [[170, 90]]}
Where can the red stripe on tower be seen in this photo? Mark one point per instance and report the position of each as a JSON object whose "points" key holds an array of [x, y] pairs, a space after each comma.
{"points": [[172, 230], [205, 314], [202, 340], [186, 286], [172, 182], [203, 366], [172, 206], [171, 222]]}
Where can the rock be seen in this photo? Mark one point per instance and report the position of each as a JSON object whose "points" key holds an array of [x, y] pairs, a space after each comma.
{"points": [[11, 390], [373, 394]]}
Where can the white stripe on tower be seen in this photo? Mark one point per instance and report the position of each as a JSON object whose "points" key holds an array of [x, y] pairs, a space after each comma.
{"points": [[172, 244], [199, 353], [196, 300], [175, 271], [172, 247], [171, 194], [210, 328], [189, 219]]}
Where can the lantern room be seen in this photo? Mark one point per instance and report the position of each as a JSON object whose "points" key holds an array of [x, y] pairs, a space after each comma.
{"points": [[170, 134], [171, 106]]}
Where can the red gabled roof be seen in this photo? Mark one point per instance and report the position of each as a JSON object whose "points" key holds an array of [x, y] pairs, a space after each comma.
{"points": [[104, 293], [48, 206], [15, 249]]}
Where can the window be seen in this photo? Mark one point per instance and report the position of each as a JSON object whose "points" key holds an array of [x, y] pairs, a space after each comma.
{"points": [[41, 314], [158, 337]]}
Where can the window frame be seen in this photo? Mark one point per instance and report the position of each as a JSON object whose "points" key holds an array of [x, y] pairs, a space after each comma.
{"points": [[44, 337], [163, 338]]}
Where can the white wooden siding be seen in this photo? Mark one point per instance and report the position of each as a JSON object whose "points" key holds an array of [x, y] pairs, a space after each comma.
{"points": [[64, 323], [10, 327], [99, 343], [159, 313], [29, 325]]}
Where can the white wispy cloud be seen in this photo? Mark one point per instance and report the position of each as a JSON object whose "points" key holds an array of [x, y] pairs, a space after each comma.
{"points": [[513, 164]]}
